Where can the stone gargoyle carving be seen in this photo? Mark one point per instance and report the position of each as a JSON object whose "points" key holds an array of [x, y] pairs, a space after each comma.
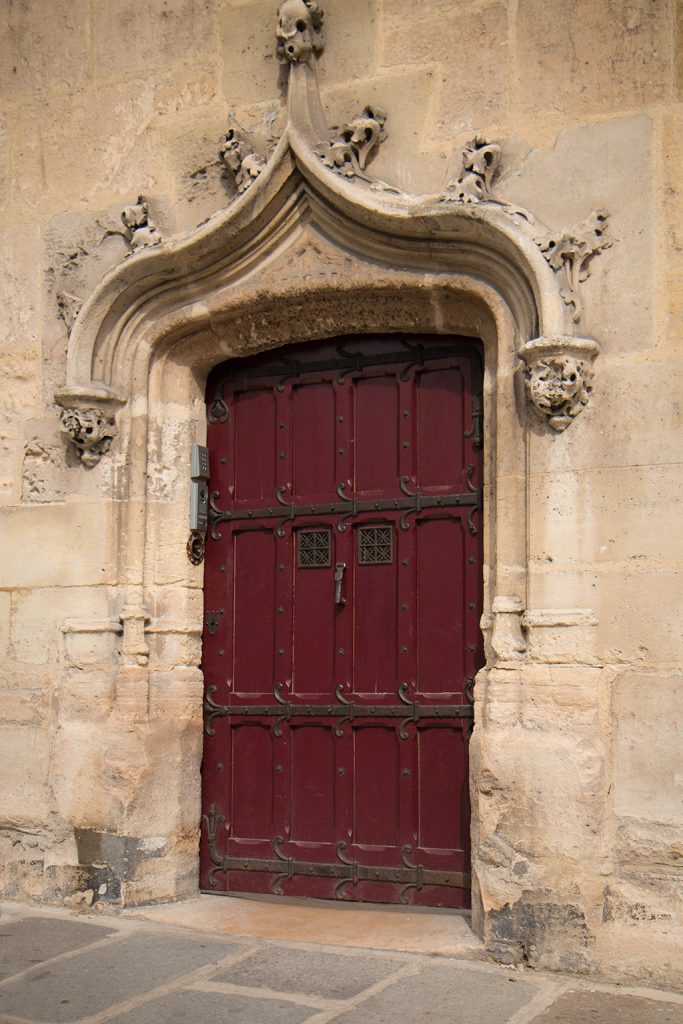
{"points": [[299, 31], [349, 150], [558, 374], [140, 231], [571, 252], [480, 164], [91, 431], [240, 160]]}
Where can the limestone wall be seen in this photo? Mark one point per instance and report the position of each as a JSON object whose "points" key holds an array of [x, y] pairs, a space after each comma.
{"points": [[577, 773]]}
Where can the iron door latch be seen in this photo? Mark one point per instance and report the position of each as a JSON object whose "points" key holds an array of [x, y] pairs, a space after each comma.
{"points": [[339, 570]]}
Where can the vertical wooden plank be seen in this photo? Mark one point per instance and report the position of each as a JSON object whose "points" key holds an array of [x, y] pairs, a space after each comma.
{"points": [[441, 606], [376, 434], [440, 428], [255, 463], [254, 612], [314, 437], [312, 793], [376, 786]]}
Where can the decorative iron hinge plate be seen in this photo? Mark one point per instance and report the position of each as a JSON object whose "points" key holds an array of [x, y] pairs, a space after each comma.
{"points": [[347, 507], [410, 712], [349, 872]]}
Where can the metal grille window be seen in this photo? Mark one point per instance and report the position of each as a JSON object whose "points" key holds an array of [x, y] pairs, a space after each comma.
{"points": [[313, 549], [375, 545]]}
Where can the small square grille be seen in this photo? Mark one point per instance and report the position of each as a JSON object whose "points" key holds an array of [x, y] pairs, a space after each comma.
{"points": [[375, 545], [313, 549]]}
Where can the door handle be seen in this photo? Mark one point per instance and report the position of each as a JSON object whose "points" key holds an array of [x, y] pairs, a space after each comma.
{"points": [[339, 570]]}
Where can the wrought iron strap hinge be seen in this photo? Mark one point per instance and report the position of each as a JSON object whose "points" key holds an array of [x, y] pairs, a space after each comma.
{"points": [[410, 503], [349, 872], [410, 712]]}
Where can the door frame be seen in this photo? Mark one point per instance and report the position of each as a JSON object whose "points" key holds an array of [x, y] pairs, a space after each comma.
{"points": [[299, 256]]}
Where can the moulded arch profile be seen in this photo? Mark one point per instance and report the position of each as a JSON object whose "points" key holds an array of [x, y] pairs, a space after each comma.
{"points": [[169, 290]]}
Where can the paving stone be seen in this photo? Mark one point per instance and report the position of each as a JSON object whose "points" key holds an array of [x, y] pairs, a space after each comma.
{"points": [[601, 1007], [99, 978], [450, 994], [32, 940], [192, 1007], [327, 975]]}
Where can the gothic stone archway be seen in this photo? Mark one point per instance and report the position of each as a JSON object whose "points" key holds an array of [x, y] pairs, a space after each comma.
{"points": [[302, 253]]}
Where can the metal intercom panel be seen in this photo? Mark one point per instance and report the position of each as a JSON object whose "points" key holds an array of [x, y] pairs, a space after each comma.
{"points": [[199, 490]]}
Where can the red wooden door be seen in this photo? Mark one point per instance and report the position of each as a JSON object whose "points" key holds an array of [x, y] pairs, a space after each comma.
{"points": [[343, 597]]}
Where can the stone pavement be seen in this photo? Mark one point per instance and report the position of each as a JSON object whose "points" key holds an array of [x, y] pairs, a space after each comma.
{"points": [[58, 967]]}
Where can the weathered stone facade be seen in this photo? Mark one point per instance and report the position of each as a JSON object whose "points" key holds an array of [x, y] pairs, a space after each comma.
{"points": [[509, 170]]}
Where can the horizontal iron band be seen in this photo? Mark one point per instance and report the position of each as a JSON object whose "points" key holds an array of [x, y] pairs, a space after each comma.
{"points": [[352, 361], [417, 503], [355, 711], [354, 872]]}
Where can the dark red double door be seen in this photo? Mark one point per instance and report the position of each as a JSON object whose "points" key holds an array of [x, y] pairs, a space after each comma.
{"points": [[343, 597]]}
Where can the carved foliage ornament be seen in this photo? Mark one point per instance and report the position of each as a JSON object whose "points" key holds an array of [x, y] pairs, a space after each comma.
{"points": [[349, 150], [240, 160], [140, 231], [571, 252], [480, 164], [299, 31], [558, 374], [91, 431]]}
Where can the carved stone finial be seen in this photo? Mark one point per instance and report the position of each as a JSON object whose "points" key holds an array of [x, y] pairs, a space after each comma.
{"points": [[140, 230], [240, 160], [91, 431], [571, 252], [349, 150], [299, 31], [558, 374], [480, 163], [69, 307]]}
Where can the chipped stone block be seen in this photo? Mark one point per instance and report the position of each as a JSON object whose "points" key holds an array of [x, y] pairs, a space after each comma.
{"points": [[649, 747], [24, 766]]}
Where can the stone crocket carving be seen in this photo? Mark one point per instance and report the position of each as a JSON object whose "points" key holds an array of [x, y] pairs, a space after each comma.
{"points": [[349, 150], [571, 252], [91, 431], [140, 231], [480, 163], [240, 160], [299, 31]]}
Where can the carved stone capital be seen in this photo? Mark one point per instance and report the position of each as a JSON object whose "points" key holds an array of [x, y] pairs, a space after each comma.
{"points": [[240, 160], [570, 253], [507, 639], [350, 148], [558, 373], [299, 31]]}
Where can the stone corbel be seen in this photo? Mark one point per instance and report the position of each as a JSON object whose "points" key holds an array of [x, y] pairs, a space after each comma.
{"points": [[557, 373], [507, 639], [88, 420]]}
